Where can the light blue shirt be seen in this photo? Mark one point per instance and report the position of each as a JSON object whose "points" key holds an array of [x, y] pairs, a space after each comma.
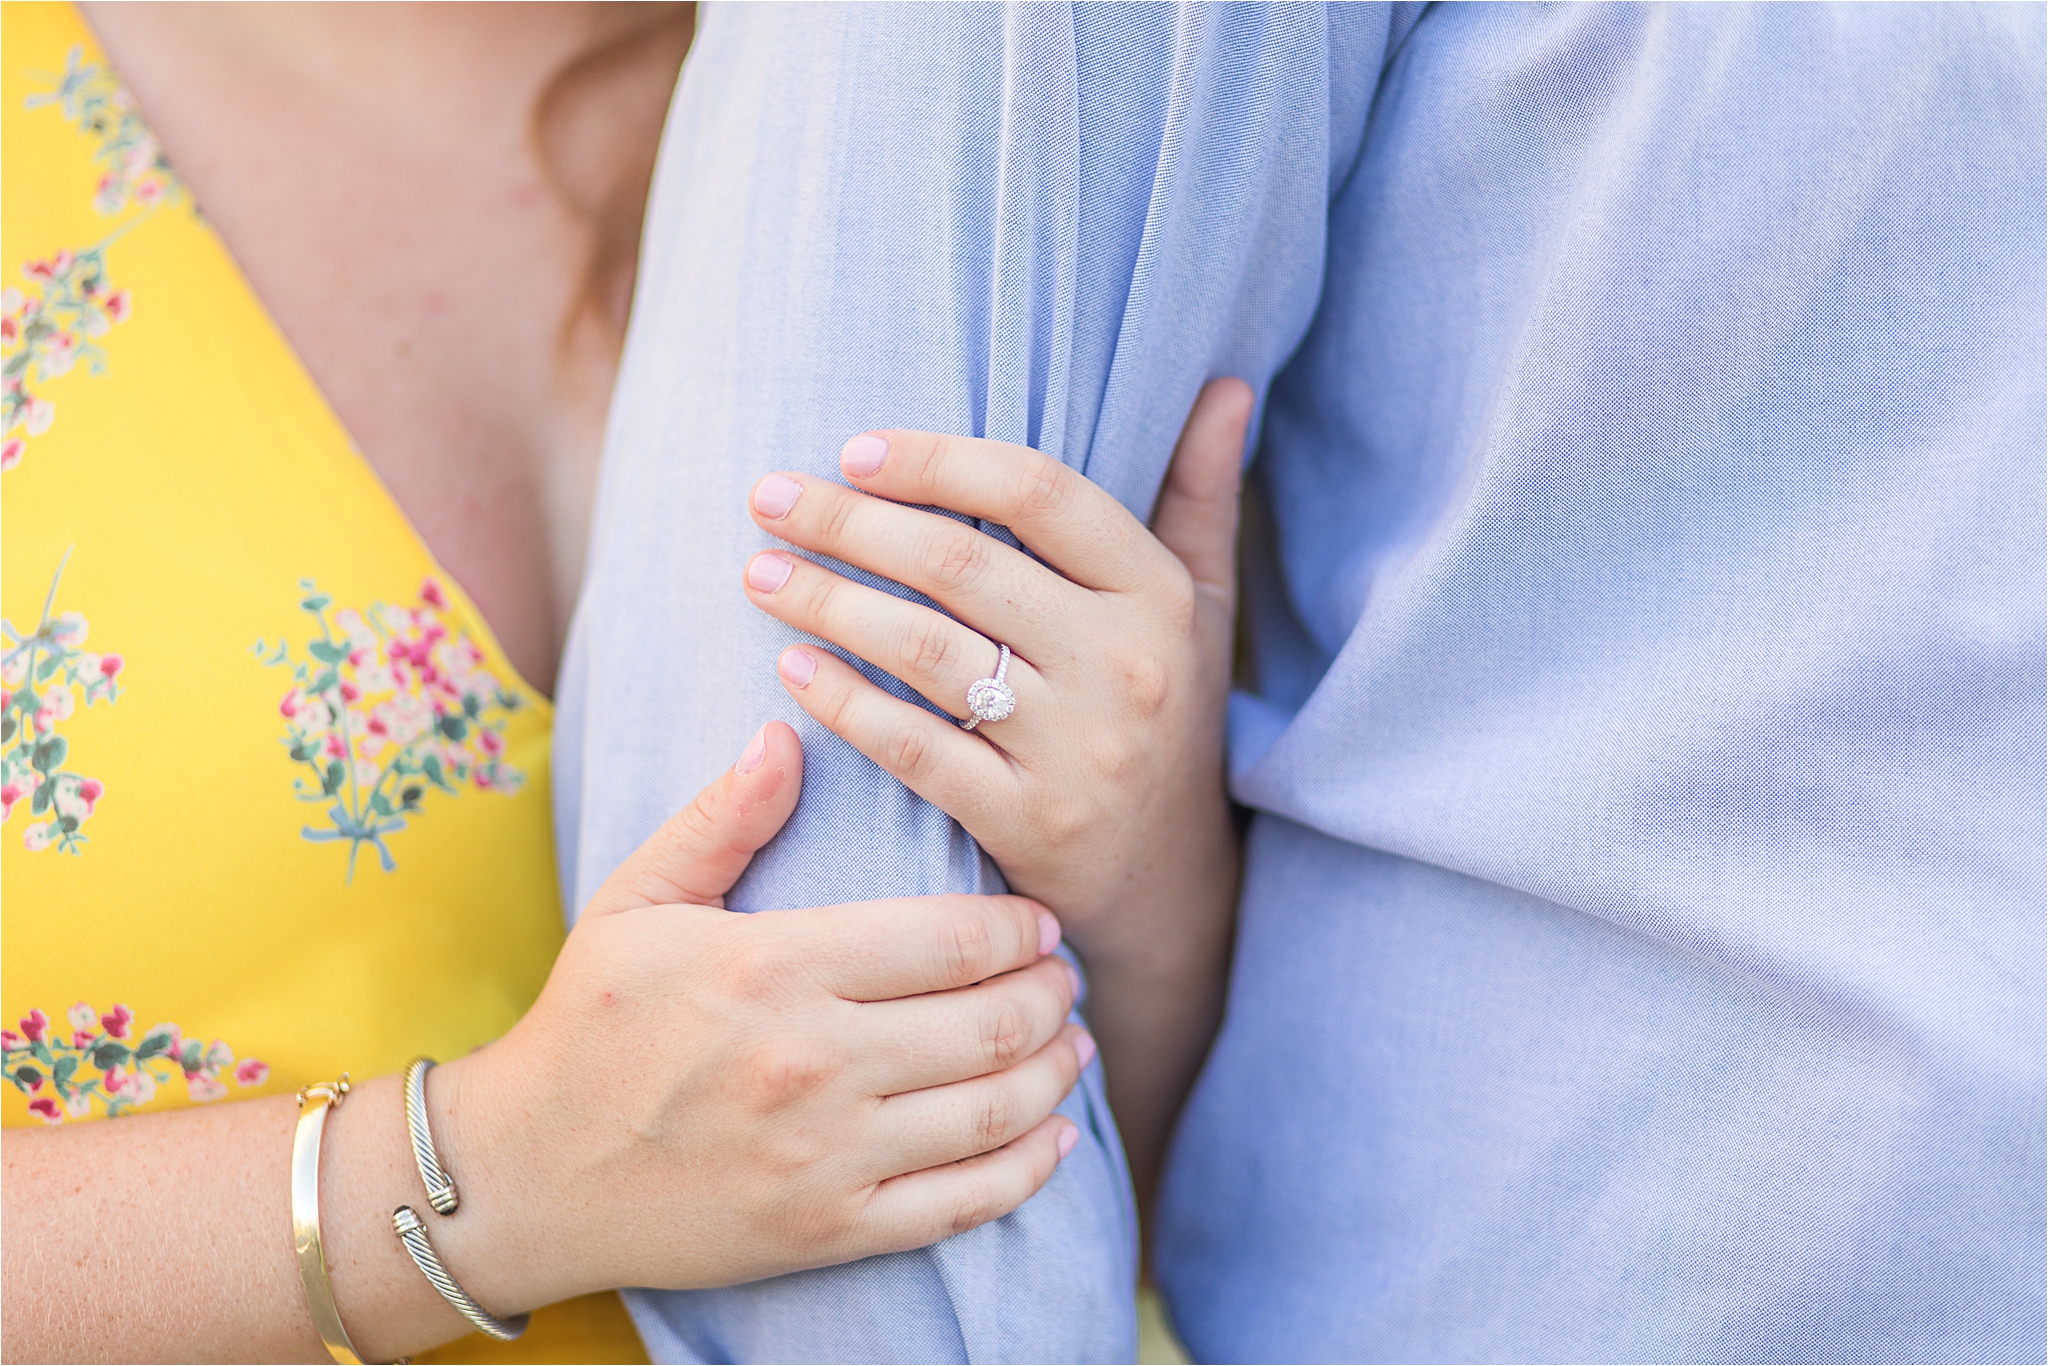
{"points": [[1642, 953]]}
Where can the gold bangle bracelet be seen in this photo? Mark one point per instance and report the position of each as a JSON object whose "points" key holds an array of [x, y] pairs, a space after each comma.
{"points": [[314, 1102]]}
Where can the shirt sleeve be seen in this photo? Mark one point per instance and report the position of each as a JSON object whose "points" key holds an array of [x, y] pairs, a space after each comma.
{"points": [[1039, 223]]}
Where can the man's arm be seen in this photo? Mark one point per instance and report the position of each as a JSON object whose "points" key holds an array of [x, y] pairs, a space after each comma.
{"points": [[1040, 224]]}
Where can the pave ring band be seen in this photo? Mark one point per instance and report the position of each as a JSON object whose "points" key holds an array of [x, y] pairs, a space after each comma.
{"points": [[990, 699]]}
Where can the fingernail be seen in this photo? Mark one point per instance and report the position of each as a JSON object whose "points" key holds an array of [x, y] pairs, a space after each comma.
{"points": [[766, 573], [1048, 932], [1084, 1049], [797, 668], [756, 750], [775, 496], [1074, 976], [1068, 1140], [863, 455]]}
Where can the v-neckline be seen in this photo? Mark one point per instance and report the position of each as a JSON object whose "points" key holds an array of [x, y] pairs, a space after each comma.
{"points": [[276, 337]]}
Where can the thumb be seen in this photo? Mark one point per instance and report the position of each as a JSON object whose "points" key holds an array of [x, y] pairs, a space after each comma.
{"points": [[1197, 514], [696, 857]]}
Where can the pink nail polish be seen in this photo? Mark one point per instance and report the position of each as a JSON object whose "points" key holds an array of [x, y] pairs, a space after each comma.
{"points": [[776, 495], [756, 750], [1048, 932], [1084, 1049], [863, 455], [766, 573], [1068, 1140], [797, 668]]}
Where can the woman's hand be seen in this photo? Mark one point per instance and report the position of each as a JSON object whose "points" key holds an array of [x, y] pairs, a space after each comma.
{"points": [[1103, 794], [701, 1097], [698, 1098], [1108, 777]]}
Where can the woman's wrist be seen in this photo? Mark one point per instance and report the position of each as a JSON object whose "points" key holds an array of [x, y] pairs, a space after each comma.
{"points": [[502, 1243], [1175, 922], [368, 1171]]}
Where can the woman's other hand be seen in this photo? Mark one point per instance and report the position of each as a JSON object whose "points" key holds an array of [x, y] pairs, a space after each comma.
{"points": [[701, 1097], [1103, 794]]}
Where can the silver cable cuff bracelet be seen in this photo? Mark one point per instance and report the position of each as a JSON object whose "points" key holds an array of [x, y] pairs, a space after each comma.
{"points": [[440, 1185], [413, 1234]]}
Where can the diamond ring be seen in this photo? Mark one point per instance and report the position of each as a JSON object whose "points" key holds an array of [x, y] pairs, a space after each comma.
{"points": [[990, 699]]}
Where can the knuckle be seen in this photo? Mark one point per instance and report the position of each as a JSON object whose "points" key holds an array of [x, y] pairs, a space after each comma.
{"points": [[928, 646], [754, 969], [834, 704], [1116, 761], [1146, 684], [1041, 488], [778, 1071], [975, 1206], [955, 558], [910, 753], [967, 948], [695, 827], [994, 1115], [934, 452], [1005, 1032], [836, 514]]}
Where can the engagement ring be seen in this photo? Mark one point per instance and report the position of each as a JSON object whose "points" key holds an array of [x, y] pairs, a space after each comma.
{"points": [[990, 699]]}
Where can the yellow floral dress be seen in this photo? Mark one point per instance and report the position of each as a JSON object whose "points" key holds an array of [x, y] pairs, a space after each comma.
{"points": [[273, 803]]}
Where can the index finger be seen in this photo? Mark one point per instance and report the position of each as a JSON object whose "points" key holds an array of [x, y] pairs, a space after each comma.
{"points": [[1073, 524], [883, 950]]}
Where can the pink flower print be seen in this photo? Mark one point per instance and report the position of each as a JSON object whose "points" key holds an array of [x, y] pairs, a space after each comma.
{"points": [[80, 1104], [492, 742], [402, 719], [130, 1085], [39, 272], [432, 596], [37, 837], [291, 704], [10, 1040], [252, 1072], [90, 790], [55, 357], [10, 329], [10, 793], [69, 630], [149, 192], [335, 749], [35, 1026], [203, 1088], [111, 665], [116, 1022], [11, 451], [47, 1108], [58, 704], [82, 1016], [41, 413], [349, 691], [107, 195], [218, 1055]]}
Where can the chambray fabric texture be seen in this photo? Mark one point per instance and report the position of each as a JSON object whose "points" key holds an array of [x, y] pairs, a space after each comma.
{"points": [[1641, 954]]}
